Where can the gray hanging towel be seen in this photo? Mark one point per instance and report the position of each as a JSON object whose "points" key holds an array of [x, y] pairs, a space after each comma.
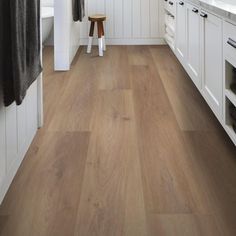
{"points": [[25, 32], [6, 72], [78, 10], [21, 47]]}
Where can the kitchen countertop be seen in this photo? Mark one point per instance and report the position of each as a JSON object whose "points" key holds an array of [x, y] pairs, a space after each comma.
{"points": [[224, 8]]}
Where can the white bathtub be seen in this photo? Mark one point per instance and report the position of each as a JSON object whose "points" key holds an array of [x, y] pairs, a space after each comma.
{"points": [[47, 21]]}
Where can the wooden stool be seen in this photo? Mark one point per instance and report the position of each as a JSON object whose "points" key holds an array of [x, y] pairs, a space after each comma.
{"points": [[101, 36]]}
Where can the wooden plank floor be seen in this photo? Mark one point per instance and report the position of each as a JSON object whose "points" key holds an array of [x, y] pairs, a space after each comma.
{"points": [[129, 147]]}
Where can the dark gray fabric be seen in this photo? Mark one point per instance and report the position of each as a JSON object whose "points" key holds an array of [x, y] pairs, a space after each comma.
{"points": [[21, 47], [6, 70], [78, 10]]}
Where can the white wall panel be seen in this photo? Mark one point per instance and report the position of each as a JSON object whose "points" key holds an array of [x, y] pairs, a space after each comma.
{"points": [[84, 25], [66, 34], [11, 135], [118, 19], [145, 18], [18, 125], [100, 6], [136, 21], [110, 19], [154, 19], [128, 21], [31, 109], [161, 18], [127, 9], [21, 125]]}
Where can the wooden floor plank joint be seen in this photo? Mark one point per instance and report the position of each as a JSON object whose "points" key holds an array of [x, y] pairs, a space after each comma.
{"points": [[129, 148]]}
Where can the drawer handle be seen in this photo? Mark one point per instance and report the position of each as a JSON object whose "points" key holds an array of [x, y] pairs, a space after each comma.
{"points": [[171, 3], [231, 42], [181, 3], [204, 15], [165, 0], [195, 10]]}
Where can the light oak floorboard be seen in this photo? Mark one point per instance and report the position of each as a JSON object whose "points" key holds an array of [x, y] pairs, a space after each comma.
{"points": [[186, 102], [112, 195], [44, 196], [128, 148], [169, 186], [183, 224]]}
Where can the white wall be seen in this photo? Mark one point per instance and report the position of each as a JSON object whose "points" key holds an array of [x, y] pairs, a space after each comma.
{"points": [[66, 35], [128, 21]]}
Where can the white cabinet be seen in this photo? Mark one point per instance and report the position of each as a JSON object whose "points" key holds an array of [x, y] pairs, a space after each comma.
{"points": [[229, 68], [170, 7], [170, 13], [193, 43], [181, 31], [200, 37], [212, 59]]}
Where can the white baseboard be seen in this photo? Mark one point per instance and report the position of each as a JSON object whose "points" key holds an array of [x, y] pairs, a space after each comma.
{"points": [[155, 41]]}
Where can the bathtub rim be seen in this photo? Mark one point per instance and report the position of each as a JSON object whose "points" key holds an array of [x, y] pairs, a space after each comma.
{"points": [[47, 12]]}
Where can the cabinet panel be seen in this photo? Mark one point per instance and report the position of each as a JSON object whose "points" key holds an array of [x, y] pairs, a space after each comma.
{"points": [[193, 43], [181, 31], [18, 125], [31, 110], [229, 36], [212, 61], [22, 125], [11, 135]]}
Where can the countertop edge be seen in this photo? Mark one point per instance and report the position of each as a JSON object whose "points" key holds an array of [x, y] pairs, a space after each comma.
{"points": [[206, 4]]}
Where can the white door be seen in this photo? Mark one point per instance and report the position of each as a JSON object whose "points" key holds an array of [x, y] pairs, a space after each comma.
{"points": [[181, 31], [212, 71], [193, 43], [18, 125]]}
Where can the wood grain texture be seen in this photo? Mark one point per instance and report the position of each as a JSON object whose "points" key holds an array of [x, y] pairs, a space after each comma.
{"points": [[183, 224], [129, 147], [189, 107], [112, 196]]}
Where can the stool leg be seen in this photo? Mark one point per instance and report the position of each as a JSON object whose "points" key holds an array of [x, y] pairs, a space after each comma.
{"points": [[100, 39], [90, 37], [103, 38]]}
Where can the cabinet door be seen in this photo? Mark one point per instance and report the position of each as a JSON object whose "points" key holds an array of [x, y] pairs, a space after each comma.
{"points": [[193, 44], [181, 31], [212, 68]]}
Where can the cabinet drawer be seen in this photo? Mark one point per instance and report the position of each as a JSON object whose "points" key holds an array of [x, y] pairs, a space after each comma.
{"points": [[230, 39]]}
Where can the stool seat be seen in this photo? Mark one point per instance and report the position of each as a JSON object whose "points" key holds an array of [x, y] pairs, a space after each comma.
{"points": [[97, 17]]}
